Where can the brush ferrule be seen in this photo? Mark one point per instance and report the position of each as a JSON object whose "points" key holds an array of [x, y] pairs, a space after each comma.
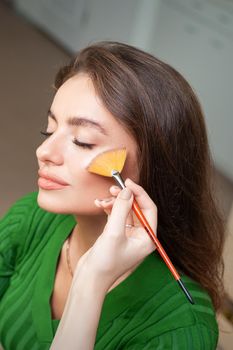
{"points": [[116, 175]]}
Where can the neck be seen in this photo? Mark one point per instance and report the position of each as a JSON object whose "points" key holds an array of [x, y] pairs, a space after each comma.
{"points": [[87, 230]]}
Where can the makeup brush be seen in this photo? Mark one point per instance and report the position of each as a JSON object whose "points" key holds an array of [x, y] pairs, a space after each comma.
{"points": [[110, 164]]}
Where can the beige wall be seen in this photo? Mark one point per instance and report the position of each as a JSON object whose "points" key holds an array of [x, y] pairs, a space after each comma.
{"points": [[28, 62]]}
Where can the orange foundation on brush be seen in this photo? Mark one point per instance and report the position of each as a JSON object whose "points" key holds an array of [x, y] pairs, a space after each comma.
{"points": [[110, 164]]}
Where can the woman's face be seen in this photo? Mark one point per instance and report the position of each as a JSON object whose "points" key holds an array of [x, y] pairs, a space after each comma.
{"points": [[78, 115]]}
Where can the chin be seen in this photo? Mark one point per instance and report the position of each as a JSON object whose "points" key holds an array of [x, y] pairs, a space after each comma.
{"points": [[58, 205], [49, 203]]}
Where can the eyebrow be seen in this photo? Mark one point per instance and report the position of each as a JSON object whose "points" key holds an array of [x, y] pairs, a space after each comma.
{"points": [[81, 121]]}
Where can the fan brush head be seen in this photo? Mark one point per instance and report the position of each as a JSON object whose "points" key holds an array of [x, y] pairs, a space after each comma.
{"points": [[104, 163]]}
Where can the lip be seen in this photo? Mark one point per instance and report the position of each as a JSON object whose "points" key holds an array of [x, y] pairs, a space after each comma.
{"points": [[50, 182]]}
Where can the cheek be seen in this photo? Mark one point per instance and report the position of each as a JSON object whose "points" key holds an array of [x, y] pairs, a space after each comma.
{"points": [[90, 186], [94, 186]]}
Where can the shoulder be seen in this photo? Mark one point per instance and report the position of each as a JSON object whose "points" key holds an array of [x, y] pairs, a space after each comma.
{"points": [[191, 337], [166, 320], [17, 215], [21, 214], [171, 320], [170, 302], [158, 314], [25, 222], [21, 206]]}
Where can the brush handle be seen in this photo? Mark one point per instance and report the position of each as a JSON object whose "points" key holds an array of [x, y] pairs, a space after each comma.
{"points": [[154, 238], [160, 249], [116, 175]]}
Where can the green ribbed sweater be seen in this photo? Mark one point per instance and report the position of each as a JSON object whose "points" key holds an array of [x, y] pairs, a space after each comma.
{"points": [[145, 311]]}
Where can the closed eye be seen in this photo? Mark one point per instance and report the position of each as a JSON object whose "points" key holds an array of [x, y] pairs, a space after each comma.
{"points": [[75, 141], [45, 133], [82, 144]]}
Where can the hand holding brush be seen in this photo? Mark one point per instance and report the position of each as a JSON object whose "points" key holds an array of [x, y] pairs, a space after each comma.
{"points": [[110, 164], [124, 242]]}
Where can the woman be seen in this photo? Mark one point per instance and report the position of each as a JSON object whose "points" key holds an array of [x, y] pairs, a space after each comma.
{"points": [[77, 270]]}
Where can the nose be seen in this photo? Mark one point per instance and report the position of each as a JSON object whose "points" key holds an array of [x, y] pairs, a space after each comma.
{"points": [[50, 151]]}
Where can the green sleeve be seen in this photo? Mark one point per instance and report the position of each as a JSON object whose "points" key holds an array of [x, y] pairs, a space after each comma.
{"points": [[198, 336], [12, 236]]}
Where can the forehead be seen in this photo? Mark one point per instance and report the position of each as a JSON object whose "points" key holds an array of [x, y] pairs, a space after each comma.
{"points": [[77, 96]]}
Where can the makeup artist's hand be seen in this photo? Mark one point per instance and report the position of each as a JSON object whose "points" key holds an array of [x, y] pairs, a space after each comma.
{"points": [[117, 251], [124, 243]]}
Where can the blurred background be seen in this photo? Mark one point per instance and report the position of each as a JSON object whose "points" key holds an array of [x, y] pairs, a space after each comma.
{"points": [[38, 36]]}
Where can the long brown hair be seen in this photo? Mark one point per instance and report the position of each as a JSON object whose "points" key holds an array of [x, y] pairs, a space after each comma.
{"points": [[159, 108]]}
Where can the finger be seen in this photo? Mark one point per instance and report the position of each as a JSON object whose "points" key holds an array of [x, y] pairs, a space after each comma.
{"points": [[120, 211], [130, 221], [114, 190], [105, 204], [144, 201], [132, 218], [107, 208]]}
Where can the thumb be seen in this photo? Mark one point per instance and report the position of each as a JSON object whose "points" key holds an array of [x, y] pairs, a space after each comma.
{"points": [[120, 212]]}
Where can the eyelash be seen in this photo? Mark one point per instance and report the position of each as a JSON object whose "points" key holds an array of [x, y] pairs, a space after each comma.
{"points": [[75, 141]]}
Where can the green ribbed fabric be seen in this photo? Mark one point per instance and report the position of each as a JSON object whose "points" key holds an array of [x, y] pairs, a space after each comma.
{"points": [[145, 311]]}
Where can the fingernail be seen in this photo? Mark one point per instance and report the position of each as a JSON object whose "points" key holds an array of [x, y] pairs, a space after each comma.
{"points": [[97, 203], [125, 193], [106, 200], [128, 180]]}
